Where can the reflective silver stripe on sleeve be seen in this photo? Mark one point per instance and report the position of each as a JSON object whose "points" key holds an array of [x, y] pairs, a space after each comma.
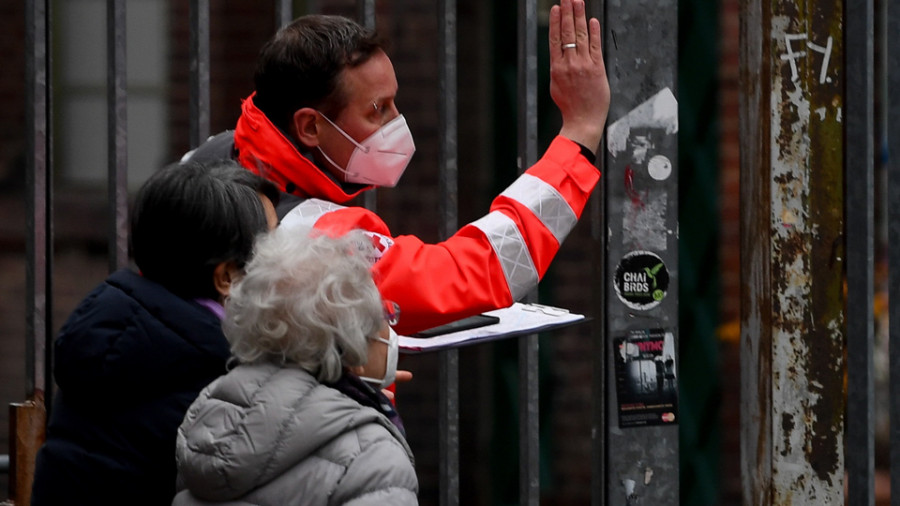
{"points": [[510, 247], [307, 213], [545, 202]]}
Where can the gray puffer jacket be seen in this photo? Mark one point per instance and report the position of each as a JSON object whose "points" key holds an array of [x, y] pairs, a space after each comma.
{"points": [[266, 435]]}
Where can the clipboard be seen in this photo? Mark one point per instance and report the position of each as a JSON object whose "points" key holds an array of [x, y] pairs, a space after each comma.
{"points": [[517, 320]]}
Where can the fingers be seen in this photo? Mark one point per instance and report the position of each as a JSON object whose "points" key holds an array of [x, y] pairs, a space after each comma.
{"points": [[569, 25], [403, 376], [579, 27], [595, 45], [555, 41]]}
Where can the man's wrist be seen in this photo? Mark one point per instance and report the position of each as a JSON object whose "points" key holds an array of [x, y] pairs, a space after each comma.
{"points": [[587, 153]]}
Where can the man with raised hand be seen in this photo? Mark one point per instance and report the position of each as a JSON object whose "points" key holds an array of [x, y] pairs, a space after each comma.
{"points": [[323, 125]]}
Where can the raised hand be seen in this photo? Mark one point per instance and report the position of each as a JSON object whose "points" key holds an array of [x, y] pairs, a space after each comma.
{"points": [[578, 82]]}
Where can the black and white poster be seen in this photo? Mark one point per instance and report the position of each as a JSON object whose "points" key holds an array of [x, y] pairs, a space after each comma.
{"points": [[646, 382]]}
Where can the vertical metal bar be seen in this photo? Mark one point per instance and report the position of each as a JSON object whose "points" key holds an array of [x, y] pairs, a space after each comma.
{"points": [[117, 131], [892, 71], [792, 238], [529, 443], [366, 16], [859, 174], [39, 197], [199, 81], [366, 13], [756, 328], [448, 372], [599, 423], [284, 12], [641, 210]]}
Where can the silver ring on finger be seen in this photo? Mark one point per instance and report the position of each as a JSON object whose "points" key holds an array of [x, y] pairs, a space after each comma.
{"points": [[569, 46]]}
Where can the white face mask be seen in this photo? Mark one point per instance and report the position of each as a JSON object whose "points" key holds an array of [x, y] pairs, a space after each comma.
{"points": [[390, 366], [380, 158]]}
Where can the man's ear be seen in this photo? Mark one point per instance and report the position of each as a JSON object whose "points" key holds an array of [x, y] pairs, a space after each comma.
{"points": [[305, 126], [223, 276]]}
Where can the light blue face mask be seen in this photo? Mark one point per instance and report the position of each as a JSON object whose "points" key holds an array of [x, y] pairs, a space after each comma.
{"points": [[380, 158]]}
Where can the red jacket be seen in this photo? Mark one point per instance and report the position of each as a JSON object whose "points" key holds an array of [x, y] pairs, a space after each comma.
{"points": [[488, 264]]}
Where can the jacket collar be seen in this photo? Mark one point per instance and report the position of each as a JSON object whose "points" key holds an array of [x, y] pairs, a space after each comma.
{"points": [[267, 151]]}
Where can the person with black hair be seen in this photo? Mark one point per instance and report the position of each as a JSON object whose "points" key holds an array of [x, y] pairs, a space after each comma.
{"points": [[138, 349]]}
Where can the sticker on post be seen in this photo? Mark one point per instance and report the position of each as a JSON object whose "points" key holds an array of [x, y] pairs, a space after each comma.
{"points": [[642, 280], [646, 384]]}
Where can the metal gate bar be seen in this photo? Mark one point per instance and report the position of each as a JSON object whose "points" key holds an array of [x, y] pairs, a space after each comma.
{"points": [[529, 444], [641, 211], [39, 187], [28, 419], [117, 132], [284, 13], [599, 384], [860, 220], [199, 80], [892, 71], [448, 361]]}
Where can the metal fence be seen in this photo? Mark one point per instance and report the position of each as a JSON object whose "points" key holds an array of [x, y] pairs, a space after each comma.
{"points": [[40, 204], [790, 425]]}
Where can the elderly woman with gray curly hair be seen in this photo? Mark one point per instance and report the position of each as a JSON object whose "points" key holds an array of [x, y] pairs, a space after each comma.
{"points": [[301, 419]]}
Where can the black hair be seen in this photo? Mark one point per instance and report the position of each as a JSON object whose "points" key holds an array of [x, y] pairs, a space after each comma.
{"points": [[188, 218], [299, 67]]}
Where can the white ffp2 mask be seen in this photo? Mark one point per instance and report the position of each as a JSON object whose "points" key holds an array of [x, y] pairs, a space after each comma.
{"points": [[390, 366], [380, 158]]}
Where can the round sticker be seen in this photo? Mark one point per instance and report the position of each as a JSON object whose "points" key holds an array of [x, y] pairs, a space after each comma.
{"points": [[641, 280], [659, 167]]}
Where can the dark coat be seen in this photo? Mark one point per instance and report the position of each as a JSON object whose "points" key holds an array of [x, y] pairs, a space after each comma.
{"points": [[128, 362]]}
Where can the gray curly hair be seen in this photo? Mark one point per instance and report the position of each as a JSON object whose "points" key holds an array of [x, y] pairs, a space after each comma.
{"points": [[305, 300]]}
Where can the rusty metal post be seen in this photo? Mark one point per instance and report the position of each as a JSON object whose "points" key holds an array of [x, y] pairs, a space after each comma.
{"points": [[641, 186], [27, 420], [792, 327], [27, 430]]}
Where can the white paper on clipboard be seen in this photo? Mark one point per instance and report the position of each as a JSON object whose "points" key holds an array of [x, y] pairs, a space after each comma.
{"points": [[516, 320]]}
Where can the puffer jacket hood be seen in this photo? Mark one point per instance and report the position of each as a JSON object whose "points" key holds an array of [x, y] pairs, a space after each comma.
{"points": [[259, 423]]}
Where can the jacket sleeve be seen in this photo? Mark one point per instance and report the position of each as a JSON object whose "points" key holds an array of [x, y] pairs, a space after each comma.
{"points": [[489, 263]]}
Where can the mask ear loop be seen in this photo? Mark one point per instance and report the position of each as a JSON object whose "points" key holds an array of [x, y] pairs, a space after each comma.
{"points": [[365, 149]]}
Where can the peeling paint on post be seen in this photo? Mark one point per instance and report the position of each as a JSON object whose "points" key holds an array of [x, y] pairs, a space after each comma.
{"points": [[792, 223]]}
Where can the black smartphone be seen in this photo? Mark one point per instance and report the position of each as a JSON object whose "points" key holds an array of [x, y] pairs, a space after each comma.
{"points": [[472, 322]]}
